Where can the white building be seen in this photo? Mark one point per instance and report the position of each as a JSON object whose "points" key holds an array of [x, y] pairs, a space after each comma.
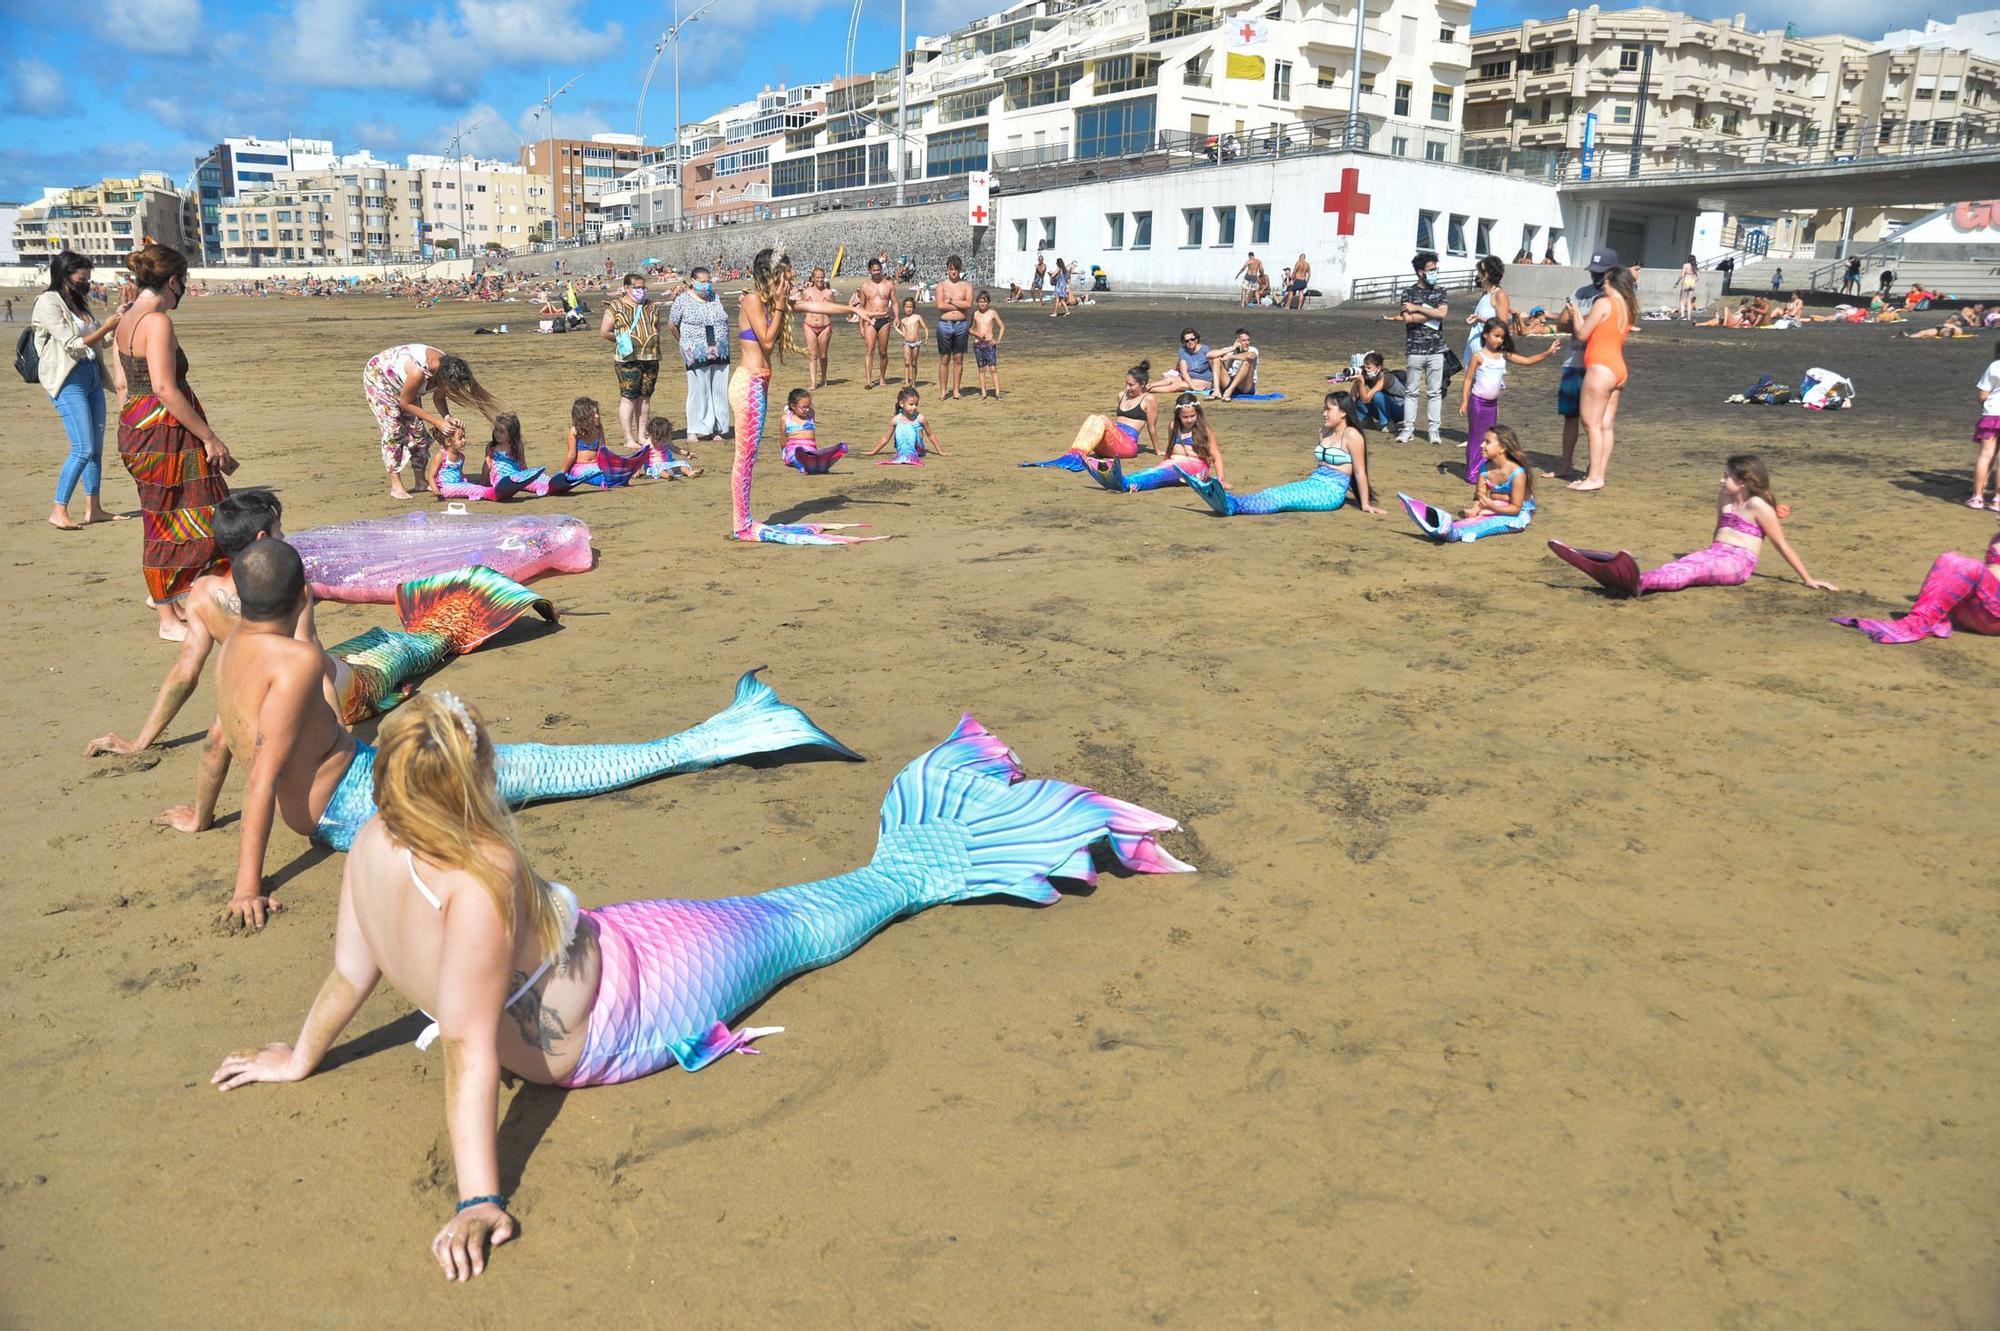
{"points": [[1978, 33]]}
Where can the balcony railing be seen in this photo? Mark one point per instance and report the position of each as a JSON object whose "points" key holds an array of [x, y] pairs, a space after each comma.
{"points": [[1863, 142]]}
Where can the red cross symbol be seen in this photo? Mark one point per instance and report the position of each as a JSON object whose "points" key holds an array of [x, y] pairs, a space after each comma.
{"points": [[1247, 32], [979, 215], [1348, 201]]}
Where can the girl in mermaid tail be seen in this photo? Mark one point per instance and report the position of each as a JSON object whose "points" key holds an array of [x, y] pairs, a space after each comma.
{"points": [[1485, 381], [1746, 515], [1503, 505], [1958, 592], [764, 331], [1192, 450], [507, 459], [1116, 435], [439, 898], [909, 432], [802, 448], [1342, 467], [446, 474], [582, 446]]}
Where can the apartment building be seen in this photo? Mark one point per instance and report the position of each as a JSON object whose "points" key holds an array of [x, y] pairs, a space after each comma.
{"points": [[1065, 80], [583, 169], [108, 220], [355, 213], [1681, 82], [471, 205], [244, 165]]}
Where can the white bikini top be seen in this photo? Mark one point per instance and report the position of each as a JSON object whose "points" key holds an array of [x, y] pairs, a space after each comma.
{"points": [[565, 901]]}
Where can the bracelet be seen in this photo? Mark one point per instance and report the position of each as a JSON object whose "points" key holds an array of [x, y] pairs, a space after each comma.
{"points": [[471, 1202]]}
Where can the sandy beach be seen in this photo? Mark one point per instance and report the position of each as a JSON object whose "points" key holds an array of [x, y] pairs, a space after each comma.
{"points": [[1554, 961]]}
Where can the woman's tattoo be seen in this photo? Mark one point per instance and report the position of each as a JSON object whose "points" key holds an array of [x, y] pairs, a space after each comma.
{"points": [[541, 1026]]}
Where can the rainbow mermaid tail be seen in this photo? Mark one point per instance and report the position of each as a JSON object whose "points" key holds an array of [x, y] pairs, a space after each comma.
{"points": [[757, 721], [534, 480], [1616, 571], [748, 394], [444, 615], [959, 822], [616, 469], [1959, 591], [1070, 461], [812, 459]]}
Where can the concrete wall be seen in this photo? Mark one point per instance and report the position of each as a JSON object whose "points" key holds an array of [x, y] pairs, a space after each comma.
{"points": [[1295, 190]]}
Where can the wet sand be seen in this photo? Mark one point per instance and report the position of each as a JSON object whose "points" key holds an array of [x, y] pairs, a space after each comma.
{"points": [[1554, 961]]}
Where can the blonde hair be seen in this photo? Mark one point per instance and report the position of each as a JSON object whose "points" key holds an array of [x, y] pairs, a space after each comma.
{"points": [[771, 279], [435, 790]]}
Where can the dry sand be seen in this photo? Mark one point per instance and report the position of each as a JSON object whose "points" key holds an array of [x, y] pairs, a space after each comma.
{"points": [[1553, 961]]}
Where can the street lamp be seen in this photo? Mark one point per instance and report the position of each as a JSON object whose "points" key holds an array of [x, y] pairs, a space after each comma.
{"points": [[671, 35], [548, 112], [457, 138]]}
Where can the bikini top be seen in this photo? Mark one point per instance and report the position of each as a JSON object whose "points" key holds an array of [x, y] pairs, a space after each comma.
{"points": [[747, 336], [1135, 412], [1183, 440], [1736, 522], [909, 433], [793, 425], [1333, 455], [565, 902], [1506, 487]]}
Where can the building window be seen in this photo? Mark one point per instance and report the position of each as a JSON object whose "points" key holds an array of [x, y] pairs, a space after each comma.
{"points": [[843, 168], [1528, 234], [956, 151], [1260, 224], [1496, 69], [1621, 115], [1114, 231], [792, 176], [1225, 226], [1539, 62], [1454, 235], [1941, 134], [1043, 87], [1402, 99], [1483, 237], [1048, 233], [1115, 128], [1433, 151], [1447, 34], [1427, 231], [1368, 83], [1142, 231], [1021, 234], [1628, 59], [1122, 73], [1399, 145], [1441, 104], [1191, 223], [1324, 75], [1281, 81]]}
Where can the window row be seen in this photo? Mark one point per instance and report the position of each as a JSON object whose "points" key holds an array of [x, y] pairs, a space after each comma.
{"points": [[1482, 235]]}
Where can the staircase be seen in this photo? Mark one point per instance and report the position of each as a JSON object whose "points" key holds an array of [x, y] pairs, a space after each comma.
{"points": [[1959, 279]]}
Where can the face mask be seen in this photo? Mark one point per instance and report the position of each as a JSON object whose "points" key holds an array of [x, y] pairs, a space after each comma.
{"points": [[1430, 279], [705, 288], [637, 295]]}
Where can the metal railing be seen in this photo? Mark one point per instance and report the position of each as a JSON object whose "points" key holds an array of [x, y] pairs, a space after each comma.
{"points": [[1390, 286], [1847, 145]]}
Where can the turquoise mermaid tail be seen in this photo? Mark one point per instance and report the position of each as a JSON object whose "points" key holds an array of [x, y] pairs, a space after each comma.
{"points": [[1616, 571], [444, 615], [1438, 523], [959, 822], [755, 722], [1324, 491], [1212, 493], [1110, 473], [1070, 461]]}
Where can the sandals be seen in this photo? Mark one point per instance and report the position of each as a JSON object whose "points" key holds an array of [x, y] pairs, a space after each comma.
{"points": [[1975, 502]]}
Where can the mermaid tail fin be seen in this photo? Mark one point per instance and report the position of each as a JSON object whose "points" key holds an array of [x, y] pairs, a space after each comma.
{"points": [[1616, 572], [1212, 493], [615, 470], [1106, 472], [758, 721], [1435, 522], [508, 486], [1070, 461], [466, 607], [802, 533], [1910, 628], [561, 484]]}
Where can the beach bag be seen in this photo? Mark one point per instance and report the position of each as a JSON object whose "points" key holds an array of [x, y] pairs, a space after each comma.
{"points": [[27, 360]]}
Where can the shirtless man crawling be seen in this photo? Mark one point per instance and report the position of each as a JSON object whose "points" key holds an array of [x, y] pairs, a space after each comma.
{"points": [[875, 303], [273, 713]]}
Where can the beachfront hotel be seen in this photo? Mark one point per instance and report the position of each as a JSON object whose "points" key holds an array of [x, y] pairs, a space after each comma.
{"points": [[104, 222]]}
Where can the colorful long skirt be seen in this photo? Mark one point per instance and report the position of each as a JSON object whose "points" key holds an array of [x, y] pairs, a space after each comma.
{"points": [[178, 492]]}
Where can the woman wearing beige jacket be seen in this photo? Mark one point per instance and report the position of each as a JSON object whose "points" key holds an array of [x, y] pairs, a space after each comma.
{"points": [[67, 343]]}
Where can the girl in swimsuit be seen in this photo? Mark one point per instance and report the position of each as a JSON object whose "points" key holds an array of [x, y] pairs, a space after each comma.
{"points": [[909, 432], [1341, 459], [911, 326], [1503, 505], [1116, 435], [819, 328], [766, 332], [802, 448], [584, 451], [1746, 515], [1485, 380], [1192, 450], [1603, 334], [446, 474]]}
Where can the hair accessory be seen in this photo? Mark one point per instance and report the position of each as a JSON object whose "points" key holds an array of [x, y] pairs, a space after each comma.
{"points": [[449, 701]]}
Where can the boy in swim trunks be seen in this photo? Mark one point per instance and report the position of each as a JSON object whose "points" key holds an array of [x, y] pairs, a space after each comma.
{"points": [[954, 307], [987, 330]]}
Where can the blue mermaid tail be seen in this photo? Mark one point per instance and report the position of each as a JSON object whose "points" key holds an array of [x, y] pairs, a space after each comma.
{"points": [[1070, 461], [1324, 491], [757, 721], [1110, 473], [959, 822]]}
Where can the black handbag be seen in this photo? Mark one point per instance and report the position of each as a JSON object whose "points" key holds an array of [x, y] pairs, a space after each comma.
{"points": [[27, 360]]}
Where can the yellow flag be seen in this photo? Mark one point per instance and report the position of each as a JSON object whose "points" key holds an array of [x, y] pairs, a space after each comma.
{"points": [[1240, 66]]}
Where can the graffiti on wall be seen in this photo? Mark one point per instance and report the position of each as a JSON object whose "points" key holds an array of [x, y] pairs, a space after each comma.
{"points": [[1977, 215]]}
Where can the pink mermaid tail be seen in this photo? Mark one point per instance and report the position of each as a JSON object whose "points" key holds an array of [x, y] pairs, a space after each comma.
{"points": [[959, 822], [1958, 591], [812, 459], [749, 396], [1720, 565], [1617, 572]]}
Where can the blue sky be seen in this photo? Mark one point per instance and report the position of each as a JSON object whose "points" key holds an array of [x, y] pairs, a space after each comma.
{"points": [[108, 87]]}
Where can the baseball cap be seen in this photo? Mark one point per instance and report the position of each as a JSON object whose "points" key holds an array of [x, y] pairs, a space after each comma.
{"points": [[1603, 261]]}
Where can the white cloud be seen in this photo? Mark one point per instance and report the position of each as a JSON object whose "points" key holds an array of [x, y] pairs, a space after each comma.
{"points": [[1867, 19], [155, 27], [348, 44], [529, 32], [37, 88]]}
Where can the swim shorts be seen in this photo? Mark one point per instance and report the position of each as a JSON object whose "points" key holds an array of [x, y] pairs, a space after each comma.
{"points": [[637, 378], [1987, 430], [951, 337], [1569, 396], [986, 355]]}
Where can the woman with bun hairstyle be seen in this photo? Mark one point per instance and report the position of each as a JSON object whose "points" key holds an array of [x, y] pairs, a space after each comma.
{"points": [[165, 440]]}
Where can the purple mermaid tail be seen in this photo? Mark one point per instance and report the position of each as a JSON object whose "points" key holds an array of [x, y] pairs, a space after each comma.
{"points": [[1617, 572], [959, 822], [1958, 591]]}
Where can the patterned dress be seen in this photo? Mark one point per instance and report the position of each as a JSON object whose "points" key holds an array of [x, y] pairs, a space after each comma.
{"points": [[406, 439], [178, 488]]}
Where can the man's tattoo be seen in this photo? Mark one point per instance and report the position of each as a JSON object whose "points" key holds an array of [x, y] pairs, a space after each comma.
{"points": [[228, 602], [541, 1026]]}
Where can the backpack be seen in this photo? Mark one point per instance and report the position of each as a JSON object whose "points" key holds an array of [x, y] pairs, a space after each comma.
{"points": [[28, 361]]}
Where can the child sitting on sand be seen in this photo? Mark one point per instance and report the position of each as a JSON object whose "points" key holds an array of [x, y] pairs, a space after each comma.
{"points": [[1503, 505], [1746, 515], [911, 326], [802, 448], [446, 474], [661, 457], [583, 448], [909, 432]]}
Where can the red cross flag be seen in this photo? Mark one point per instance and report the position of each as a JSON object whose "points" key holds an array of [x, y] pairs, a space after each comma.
{"points": [[979, 199], [1247, 38]]}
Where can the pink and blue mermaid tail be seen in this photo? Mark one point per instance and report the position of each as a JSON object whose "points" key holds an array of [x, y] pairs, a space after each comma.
{"points": [[1110, 473], [1070, 461], [658, 462], [1958, 592], [960, 822], [755, 722], [451, 484], [444, 615], [1438, 523], [813, 460], [749, 397], [534, 480], [1322, 492], [618, 469]]}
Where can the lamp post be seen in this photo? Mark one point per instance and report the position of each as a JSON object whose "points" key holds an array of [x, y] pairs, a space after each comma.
{"points": [[902, 94], [673, 35], [457, 138], [555, 157], [1354, 93]]}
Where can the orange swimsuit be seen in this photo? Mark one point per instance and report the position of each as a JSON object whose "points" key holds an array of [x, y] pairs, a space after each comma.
{"points": [[1607, 341]]}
